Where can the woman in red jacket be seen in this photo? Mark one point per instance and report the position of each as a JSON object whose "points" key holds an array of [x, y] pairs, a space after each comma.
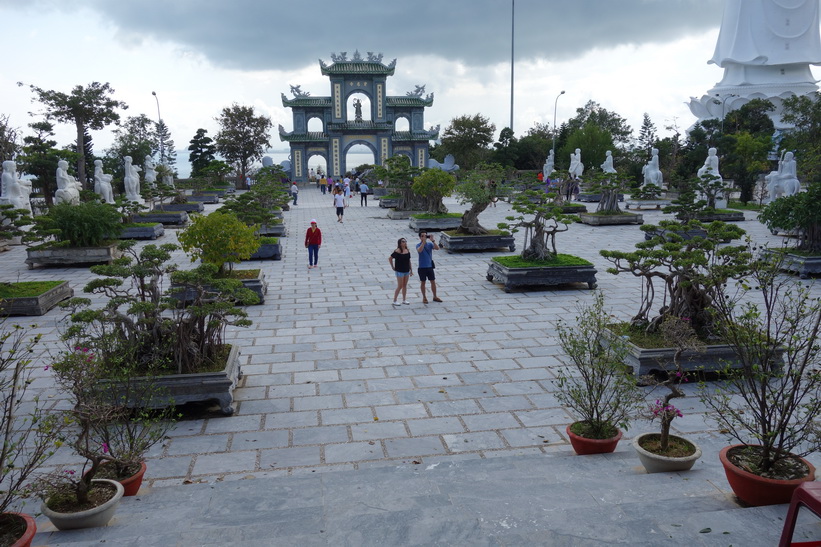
{"points": [[313, 241]]}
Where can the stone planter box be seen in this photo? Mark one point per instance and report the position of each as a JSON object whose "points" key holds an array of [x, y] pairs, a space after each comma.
{"points": [[187, 207], [36, 305], [268, 251], [460, 243], [804, 266], [205, 198], [434, 224], [394, 214], [72, 256], [389, 203], [573, 209], [723, 217], [379, 192], [594, 198], [178, 389], [611, 220], [647, 203], [142, 232], [540, 277], [644, 360], [276, 230], [170, 218], [258, 286]]}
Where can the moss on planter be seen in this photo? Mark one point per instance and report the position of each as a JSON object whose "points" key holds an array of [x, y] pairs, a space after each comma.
{"points": [[441, 215], [26, 289], [560, 260]]}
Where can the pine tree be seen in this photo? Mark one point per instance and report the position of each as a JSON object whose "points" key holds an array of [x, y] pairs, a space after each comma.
{"points": [[168, 155], [647, 134], [88, 156], [201, 152]]}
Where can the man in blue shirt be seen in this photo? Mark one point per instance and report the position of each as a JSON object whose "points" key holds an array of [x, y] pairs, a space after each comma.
{"points": [[425, 248]]}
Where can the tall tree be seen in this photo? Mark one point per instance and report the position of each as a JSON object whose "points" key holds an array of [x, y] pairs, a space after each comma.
{"points": [[594, 113], [89, 107], [87, 156], [467, 138], [804, 113], [243, 137], [647, 133], [40, 157], [594, 142], [136, 137], [201, 152], [168, 155], [9, 139]]}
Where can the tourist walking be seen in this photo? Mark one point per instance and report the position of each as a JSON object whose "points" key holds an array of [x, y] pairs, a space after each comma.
{"points": [[294, 191], [313, 241], [400, 261], [323, 184], [347, 191], [425, 247], [363, 194], [339, 203]]}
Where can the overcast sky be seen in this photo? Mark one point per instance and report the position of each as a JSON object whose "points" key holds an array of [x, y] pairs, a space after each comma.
{"points": [[632, 56]]}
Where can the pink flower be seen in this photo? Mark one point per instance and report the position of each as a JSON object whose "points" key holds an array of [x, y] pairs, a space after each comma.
{"points": [[105, 448]]}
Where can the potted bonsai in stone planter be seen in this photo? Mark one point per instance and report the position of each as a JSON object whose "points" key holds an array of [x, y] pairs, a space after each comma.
{"points": [[539, 263], [71, 235], [432, 186], [647, 196], [28, 439], [221, 239], [479, 188], [142, 329], [771, 402], [663, 452], [599, 390], [261, 205], [799, 214], [609, 186], [692, 273], [398, 174]]}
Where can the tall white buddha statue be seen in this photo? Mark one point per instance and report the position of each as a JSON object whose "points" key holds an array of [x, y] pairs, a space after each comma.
{"points": [[766, 48]]}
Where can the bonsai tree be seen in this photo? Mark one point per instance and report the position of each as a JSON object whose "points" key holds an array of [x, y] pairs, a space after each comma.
{"points": [[647, 192], [215, 174], [433, 185], [692, 272], [219, 239], [87, 224], [260, 204], [772, 402], [541, 218], [609, 185], [478, 188], [600, 390], [28, 437], [799, 213], [12, 222], [398, 174]]}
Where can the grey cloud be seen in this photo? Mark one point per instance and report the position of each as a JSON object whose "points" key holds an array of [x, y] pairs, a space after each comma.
{"points": [[265, 34]]}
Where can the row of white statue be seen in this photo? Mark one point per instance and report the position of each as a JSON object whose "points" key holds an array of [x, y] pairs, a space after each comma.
{"points": [[17, 192], [783, 182]]}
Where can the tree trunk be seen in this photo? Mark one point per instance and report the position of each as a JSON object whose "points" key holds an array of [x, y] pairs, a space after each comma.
{"points": [[470, 221], [81, 156]]}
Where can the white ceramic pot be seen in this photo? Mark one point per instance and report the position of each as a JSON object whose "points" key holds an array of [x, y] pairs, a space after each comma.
{"points": [[654, 463], [90, 518]]}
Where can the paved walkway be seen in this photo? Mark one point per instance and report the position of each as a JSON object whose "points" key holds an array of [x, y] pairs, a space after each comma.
{"points": [[336, 378]]}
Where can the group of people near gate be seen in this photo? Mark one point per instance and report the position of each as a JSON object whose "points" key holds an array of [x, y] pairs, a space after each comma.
{"points": [[399, 260]]}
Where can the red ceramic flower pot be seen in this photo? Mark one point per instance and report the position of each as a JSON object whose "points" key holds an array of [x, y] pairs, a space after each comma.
{"points": [[756, 490], [584, 446], [31, 529], [131, 485]]}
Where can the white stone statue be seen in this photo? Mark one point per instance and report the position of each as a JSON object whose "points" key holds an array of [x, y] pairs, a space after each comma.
{"points": [[102, 183], [710, 165], [132, 181], [651, 171], [766, 48], [168, 180], [576, 165], [68, 188], [607, 166], [14, 191], [549, 165], [783, 182], [150, 174]]}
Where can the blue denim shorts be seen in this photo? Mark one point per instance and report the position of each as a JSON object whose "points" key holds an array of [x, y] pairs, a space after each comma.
{"points": [[402, 274]]}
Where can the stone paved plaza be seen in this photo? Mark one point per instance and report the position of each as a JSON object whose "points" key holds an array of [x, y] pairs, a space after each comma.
{"points": [[337, 379]]}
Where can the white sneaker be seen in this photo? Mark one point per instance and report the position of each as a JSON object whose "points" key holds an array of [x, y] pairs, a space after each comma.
{"points": [[406, 302], [396, 303]]}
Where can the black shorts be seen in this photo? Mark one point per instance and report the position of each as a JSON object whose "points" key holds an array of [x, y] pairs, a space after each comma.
{"points": [[426, 274], [340, 211]]}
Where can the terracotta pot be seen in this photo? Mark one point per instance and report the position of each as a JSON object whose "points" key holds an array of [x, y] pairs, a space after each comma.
{"points": [[584, 446], [656, 463], [28, 534], [131, 485], [755, 490], [90, 518]]}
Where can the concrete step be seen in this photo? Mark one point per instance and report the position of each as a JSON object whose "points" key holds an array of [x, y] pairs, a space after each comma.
{"points": [[555, 499]]}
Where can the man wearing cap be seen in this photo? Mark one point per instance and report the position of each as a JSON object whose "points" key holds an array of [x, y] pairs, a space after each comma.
{"points": [[313, 241]]}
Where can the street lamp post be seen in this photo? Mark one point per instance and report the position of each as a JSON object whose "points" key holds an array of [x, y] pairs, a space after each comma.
{"points": [[724, 104], [512, 23], [555, 105], [159, 123]]}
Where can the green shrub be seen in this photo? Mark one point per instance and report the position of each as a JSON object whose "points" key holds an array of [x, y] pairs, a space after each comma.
{"points": [[219, 239], [87, 224]]}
